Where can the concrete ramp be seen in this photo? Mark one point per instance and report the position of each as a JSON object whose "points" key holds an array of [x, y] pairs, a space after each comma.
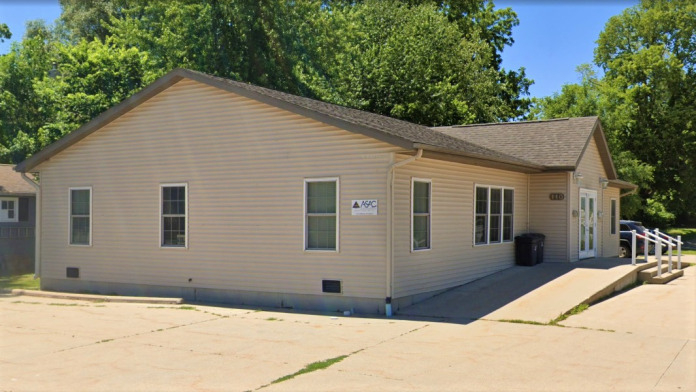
{"points": [[540, 293]]}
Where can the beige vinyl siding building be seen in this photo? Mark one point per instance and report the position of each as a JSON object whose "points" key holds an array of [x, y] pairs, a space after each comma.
{"points": [[453, 256], [214, 190], [550, 217], [245, 200]]}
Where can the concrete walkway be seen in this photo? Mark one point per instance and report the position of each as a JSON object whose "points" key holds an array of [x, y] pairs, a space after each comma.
{"points": [[540, 293], [641, 340]]}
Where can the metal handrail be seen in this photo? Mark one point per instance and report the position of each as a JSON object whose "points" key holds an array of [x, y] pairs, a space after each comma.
{"points": [[658, 239]]}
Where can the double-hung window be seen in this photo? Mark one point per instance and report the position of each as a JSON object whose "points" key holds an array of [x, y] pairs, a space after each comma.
{"points": [[81, 216], [420, 214], [321, 214], [174, 211], [8, 209], [494, 211]]}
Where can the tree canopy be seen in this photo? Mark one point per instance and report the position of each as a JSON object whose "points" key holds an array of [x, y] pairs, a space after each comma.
{"points": [[647, 102]]}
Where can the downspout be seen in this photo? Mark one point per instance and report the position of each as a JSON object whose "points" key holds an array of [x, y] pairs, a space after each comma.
{"points": [[37, 228], [569, 214], [390, 232]]}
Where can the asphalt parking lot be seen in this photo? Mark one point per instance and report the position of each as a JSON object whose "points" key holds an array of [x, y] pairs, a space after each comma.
{"points": [[642, 340]]}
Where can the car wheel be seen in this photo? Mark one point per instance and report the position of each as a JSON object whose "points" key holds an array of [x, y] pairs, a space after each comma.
{"points": [[624, 250]]}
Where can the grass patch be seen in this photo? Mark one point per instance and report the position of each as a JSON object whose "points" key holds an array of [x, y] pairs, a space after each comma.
{"points": [[576, 310], [687, 233], [61, 304], [518, 321], [26, 282], [185, 307], [314, 366], [273, 319]]}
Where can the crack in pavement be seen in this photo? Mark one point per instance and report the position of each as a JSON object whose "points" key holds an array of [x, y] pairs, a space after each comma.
{"points": [[670, 364], [136, 334], [355, 352]]}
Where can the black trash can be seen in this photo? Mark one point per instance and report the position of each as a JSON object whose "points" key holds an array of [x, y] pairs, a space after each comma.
{"points": [[529, 249]]}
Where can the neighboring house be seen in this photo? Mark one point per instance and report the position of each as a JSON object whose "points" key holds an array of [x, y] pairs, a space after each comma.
{"points": [[216, 190], [17, 222]]}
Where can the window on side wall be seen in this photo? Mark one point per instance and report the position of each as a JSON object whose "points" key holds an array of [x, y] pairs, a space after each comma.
{"points": [[8, 209], [174, 215], [421, 205], [321, 214], [613, 216], [493, 214], [81, 216]]}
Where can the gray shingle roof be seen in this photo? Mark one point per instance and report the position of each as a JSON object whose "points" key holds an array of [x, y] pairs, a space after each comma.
{"points": [[398, 132], [405, 130], [12, 183], [554, 144]]}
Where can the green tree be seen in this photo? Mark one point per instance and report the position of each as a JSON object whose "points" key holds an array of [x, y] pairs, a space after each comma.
{"points": [[646, 102], [20, 111], [88, 19], [4, 32], [408, 62], [37, 109]]}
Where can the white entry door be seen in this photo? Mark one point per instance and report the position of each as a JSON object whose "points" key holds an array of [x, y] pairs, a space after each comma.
{"points": [[588, 223]]}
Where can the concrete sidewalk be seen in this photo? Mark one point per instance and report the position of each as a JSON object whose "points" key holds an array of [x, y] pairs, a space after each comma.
{"points": [[540, 293]]}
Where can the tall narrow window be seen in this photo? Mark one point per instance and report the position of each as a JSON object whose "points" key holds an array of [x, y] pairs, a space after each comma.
{"points": [[508, 213], [420, 214], [613, 216], [481, 229], [174, 211], [80, 216], [494, 216], [321, 214], [8, 209]]}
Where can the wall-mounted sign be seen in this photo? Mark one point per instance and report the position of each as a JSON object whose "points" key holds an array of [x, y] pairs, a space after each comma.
{"points": [[556, 196], [364, 207]]}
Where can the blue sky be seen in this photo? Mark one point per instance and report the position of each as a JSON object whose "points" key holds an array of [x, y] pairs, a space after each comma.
{"points": [[552, 39]]}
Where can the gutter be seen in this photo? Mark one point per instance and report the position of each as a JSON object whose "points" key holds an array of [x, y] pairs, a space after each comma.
{"points": [[37, 235], [629, 193], [512, 161], [390, 231]]}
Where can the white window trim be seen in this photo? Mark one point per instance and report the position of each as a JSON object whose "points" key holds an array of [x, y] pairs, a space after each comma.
{"points": [[338, 214], [488, 215], [15, 209], [614, 230], [91, 215], [430, 214], [161, 218]]}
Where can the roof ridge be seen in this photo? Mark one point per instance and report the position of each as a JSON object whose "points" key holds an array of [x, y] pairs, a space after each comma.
{"points": [[511, 122]]}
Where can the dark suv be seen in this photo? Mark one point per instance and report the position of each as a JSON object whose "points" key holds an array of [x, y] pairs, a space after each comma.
{"points": [[625, 243]]}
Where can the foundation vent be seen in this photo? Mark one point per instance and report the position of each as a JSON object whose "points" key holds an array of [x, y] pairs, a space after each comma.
{"points": [[331, 286], [72, 272]]}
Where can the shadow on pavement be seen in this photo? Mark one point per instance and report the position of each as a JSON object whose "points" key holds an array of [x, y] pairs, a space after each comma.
{"points": [[475, 300]]}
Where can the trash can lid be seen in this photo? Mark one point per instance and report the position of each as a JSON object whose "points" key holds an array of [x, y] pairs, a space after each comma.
{"points": [[531, 235]]}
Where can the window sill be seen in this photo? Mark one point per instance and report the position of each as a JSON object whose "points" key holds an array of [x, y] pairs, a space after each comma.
{"points": [[493, 244]]}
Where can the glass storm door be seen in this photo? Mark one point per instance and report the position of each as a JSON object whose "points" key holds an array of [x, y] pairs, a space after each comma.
{"points": [[588, 223]]}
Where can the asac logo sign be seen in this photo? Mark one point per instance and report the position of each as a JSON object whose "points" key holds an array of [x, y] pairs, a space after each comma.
{"points": [[364, 207]]}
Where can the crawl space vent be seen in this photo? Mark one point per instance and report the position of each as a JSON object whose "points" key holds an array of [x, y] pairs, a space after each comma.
{"points": [[72, 272], [331, 286]]}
